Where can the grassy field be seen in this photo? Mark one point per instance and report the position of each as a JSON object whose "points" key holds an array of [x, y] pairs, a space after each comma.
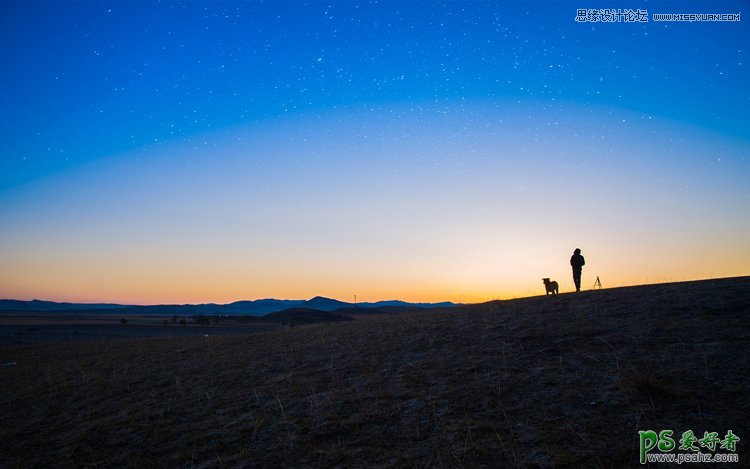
{"points": [[21, 328], [535, 382]]}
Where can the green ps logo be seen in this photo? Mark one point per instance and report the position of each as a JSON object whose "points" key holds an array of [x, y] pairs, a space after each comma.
{"points": [[649, 439]]}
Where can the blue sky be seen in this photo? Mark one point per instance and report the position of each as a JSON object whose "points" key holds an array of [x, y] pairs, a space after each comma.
{"points": [[141, 90], [87, 79]]}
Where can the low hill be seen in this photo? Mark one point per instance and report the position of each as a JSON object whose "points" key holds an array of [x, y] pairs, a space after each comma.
{"points": [[355, 311], [40, 305], [259, 307], [300, 316], [324, 304], [534, 382]]}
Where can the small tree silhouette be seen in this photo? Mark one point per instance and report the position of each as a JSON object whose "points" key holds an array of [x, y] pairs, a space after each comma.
{"points": [[201, 320]]}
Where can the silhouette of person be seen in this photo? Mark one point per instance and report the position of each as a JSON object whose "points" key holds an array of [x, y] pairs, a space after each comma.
{"points": [[577, 262]]}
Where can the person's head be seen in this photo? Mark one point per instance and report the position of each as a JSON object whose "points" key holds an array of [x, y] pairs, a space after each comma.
{"points": [[577, 251]]}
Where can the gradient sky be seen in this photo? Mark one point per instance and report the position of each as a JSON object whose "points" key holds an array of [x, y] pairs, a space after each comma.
{"points": [[185, 152]]}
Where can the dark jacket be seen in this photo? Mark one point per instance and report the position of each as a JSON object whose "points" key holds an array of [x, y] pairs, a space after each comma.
{"points": [[577, 261]]}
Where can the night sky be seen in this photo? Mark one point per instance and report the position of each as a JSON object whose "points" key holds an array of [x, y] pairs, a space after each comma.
{"points": [[427, 151]]}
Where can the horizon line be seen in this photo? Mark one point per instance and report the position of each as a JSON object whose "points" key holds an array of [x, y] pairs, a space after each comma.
{"points": [[495, 298]]}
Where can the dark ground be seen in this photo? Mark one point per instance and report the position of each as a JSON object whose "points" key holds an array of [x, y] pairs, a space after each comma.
{"points": [[535, 382], [34, 328]]}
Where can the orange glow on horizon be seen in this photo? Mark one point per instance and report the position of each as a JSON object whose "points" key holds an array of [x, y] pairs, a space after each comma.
{"points": [[469, 296], [348, 205]]}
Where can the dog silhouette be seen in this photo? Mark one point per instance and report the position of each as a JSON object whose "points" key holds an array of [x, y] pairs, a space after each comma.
{"points": [[551, 287]]}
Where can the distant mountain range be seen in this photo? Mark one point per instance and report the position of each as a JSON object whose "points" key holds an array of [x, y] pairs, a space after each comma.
{"points": [[252, 307], [40, 305]]}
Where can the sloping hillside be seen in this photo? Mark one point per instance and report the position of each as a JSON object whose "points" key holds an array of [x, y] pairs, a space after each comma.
{"points": [[564, 382]]}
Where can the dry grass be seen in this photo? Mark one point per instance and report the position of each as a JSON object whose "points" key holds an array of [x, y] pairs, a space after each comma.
{"points": [[563, 382]]}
